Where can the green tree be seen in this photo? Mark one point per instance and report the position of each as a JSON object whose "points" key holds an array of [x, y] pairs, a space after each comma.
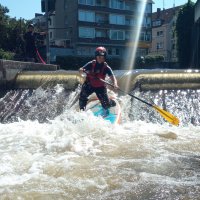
{"points": [[3, 25], [10, 31], [14, 31], [185, 22]]}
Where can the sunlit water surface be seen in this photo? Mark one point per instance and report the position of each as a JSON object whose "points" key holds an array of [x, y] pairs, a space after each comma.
{"points": [[74, 155]]}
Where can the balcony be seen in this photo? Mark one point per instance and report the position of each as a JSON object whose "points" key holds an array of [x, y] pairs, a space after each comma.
{"points": [[106, 9], [101, 41], [100, 23]]}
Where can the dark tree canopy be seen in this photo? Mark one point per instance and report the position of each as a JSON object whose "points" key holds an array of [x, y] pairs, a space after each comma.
{"points": [[185, 23]]}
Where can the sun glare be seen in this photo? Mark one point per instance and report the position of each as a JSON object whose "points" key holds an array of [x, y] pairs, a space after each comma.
{"points": [[134, 40]]}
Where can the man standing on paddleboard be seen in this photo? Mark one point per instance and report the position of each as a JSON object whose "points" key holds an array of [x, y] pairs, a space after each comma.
{"points": [[96, 71]]}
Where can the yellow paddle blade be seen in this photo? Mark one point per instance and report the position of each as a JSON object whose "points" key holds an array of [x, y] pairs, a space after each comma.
{"points": [[168, 116]]}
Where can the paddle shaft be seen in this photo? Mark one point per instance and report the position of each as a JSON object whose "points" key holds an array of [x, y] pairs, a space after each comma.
{"points": [[107, 83], [125, 92]]}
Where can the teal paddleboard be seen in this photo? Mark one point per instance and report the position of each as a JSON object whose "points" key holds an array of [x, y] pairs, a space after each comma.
{"points": [[114, 115]]}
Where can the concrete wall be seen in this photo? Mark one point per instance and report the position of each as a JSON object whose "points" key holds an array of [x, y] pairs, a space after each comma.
{"points": [[9, 69]]}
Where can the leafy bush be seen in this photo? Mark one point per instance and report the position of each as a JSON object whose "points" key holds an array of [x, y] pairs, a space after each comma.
{"points": [[154, 59], [159, 58], [6, 55], [149, 61]]}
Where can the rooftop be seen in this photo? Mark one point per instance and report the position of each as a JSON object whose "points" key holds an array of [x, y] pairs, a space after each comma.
{"points": [[165, 15]]}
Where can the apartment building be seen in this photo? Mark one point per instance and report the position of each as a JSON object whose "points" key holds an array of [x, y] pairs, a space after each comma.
{"points": [[40, 21], [82, 25], [164, 40]]}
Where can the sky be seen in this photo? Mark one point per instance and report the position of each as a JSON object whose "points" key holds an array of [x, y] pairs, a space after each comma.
{"points": [[27, 8]]}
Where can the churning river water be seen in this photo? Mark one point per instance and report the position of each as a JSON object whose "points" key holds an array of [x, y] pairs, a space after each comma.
{"points": [[50, 151]]}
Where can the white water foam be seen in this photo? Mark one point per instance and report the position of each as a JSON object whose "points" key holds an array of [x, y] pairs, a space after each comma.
{"points": [[79, 156]]}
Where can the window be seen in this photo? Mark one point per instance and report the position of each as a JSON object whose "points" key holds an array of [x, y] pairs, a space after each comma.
{"points": [[117, 52], [86, 16], [86, 2], [159, 45], [142, 36], [129, 6], [117, 19], [85, 32], [144, 22], [148, 22], [51, 35], [160, 33], [117, 4], [50, 21], [148, 36], [157, 23], [117, 35]]}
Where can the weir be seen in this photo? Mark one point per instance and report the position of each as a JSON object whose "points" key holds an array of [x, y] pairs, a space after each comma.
{"points": [[23, 75], [143, 79], [161, 79], [35, 79]]}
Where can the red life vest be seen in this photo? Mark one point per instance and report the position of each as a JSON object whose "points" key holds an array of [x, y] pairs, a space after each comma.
{"points": [[93, 77]]}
